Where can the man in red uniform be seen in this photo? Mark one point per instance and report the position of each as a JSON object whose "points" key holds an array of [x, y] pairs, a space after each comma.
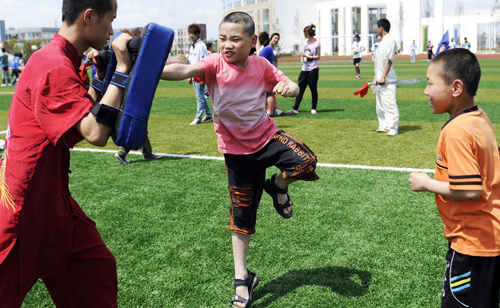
{"points": [[43, 231]]}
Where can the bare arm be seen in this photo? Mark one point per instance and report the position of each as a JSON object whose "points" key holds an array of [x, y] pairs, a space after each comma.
{"points": [[96, 133], [423, 182], [178, 71]]}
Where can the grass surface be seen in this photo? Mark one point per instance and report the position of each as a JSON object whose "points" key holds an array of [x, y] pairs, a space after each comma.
{"points": [[358, 238]]}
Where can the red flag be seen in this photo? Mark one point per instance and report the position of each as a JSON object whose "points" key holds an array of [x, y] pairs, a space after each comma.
{"points": [[363, 90], [83, 72]]}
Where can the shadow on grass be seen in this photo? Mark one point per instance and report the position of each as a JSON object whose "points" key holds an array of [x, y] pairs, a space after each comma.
{"points": [[330, 110], [141, 160], [307, 112], [342, 280], [408, 128]]}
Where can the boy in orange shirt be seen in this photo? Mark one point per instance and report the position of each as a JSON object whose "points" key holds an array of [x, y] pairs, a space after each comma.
{"points": [[466, 184]]}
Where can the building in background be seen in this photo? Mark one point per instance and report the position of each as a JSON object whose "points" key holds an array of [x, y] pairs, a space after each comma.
{"points": [[3, 34], [27, 34], [338, 21]]}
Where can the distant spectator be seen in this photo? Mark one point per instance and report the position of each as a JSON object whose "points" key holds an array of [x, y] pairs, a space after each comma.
{"points": [[198, 51], [209, 48], [375, 46], [430, 52], [453, 44], [413, 51], [444, 47], [4, 62], [466, 44], [357, 49], [16, 63], [309, 74]]}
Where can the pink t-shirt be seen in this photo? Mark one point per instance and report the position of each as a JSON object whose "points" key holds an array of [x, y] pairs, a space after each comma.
{"points": [[239, 99]]}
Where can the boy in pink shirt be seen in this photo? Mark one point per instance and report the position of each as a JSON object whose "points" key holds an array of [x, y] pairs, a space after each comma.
{"points": [[249, 139]]}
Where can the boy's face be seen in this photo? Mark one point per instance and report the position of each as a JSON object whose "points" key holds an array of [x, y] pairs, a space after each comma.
{"points": [[438, 92], [102, 28], [193, 37], [235, 44]]}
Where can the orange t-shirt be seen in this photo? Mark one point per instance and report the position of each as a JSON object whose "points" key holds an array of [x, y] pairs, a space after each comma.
{"points": [[468, 157]]}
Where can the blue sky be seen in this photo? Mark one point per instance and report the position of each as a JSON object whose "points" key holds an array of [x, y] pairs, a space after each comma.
{"points": [[131, 13], [174, 14]]}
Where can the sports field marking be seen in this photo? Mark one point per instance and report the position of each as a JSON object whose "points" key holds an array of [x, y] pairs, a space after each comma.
{"points": [[222, 158], [9, 93]]}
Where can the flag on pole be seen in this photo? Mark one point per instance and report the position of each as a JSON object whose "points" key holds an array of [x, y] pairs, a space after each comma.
{"points": [[444, 41]]}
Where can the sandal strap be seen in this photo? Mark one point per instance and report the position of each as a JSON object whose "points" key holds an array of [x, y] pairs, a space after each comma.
{"points": [[276, 188], [240, 282], [286, 204], [237, 298]]}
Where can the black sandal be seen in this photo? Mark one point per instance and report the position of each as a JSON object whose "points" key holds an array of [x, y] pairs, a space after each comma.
{"points": [[272, 189], [251, 283]]}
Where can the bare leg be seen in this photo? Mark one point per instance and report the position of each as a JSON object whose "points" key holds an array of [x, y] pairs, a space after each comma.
{"points": [[240, 252], [270, 104]]}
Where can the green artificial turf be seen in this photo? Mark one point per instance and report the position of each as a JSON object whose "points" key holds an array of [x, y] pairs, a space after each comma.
{"points": [[358, 238]]}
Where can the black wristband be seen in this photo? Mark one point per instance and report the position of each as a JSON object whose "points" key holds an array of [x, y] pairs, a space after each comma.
{"points": [[119, 80], [97, 84], [105, 114]]}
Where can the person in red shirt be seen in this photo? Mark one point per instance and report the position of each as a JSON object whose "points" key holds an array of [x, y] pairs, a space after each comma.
{"points": [[44, 233]]}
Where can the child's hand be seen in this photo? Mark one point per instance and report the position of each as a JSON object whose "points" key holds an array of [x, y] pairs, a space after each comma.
{"points": [[418, 181], [283, 89]]}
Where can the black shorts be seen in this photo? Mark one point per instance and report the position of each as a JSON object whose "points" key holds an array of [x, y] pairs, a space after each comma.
{"points": [[246, 176], [471, 281], [356, 61]]}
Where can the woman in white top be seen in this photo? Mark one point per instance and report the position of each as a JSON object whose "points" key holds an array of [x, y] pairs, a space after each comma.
{"points": [[310, 70]]}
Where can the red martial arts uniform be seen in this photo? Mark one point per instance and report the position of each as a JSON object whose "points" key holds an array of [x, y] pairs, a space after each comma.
{"points": [[43, 231]]}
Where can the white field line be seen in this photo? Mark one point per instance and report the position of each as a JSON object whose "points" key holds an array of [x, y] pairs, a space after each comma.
{"points": [[222, 158], [9, 93]]}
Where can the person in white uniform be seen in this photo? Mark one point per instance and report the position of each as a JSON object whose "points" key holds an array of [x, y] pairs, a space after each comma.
{"points": [[387, 109]]}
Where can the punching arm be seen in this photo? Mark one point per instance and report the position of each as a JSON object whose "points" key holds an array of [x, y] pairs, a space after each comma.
{"points": [[179, 71]]}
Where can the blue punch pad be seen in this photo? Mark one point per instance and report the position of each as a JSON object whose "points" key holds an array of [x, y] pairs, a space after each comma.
{"points": [[149, 53]]}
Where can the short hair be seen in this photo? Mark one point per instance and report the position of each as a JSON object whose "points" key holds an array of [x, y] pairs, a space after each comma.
{"points": [[195, 29], [384, 23], [72, 8], [264, 38], [273, 35], [3, 50], [356, 36], [460, 63], [310, 30], [241, 18], [209, 45]]}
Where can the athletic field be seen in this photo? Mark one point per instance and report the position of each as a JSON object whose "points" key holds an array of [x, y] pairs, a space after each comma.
{"points": [[359, 236]]}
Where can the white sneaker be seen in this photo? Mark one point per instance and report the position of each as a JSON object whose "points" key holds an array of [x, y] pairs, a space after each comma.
{"points": [[3, 84], [392, 132], [122, 158], [313, 111], [382, 130], [278, 112], [195, 122]]}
